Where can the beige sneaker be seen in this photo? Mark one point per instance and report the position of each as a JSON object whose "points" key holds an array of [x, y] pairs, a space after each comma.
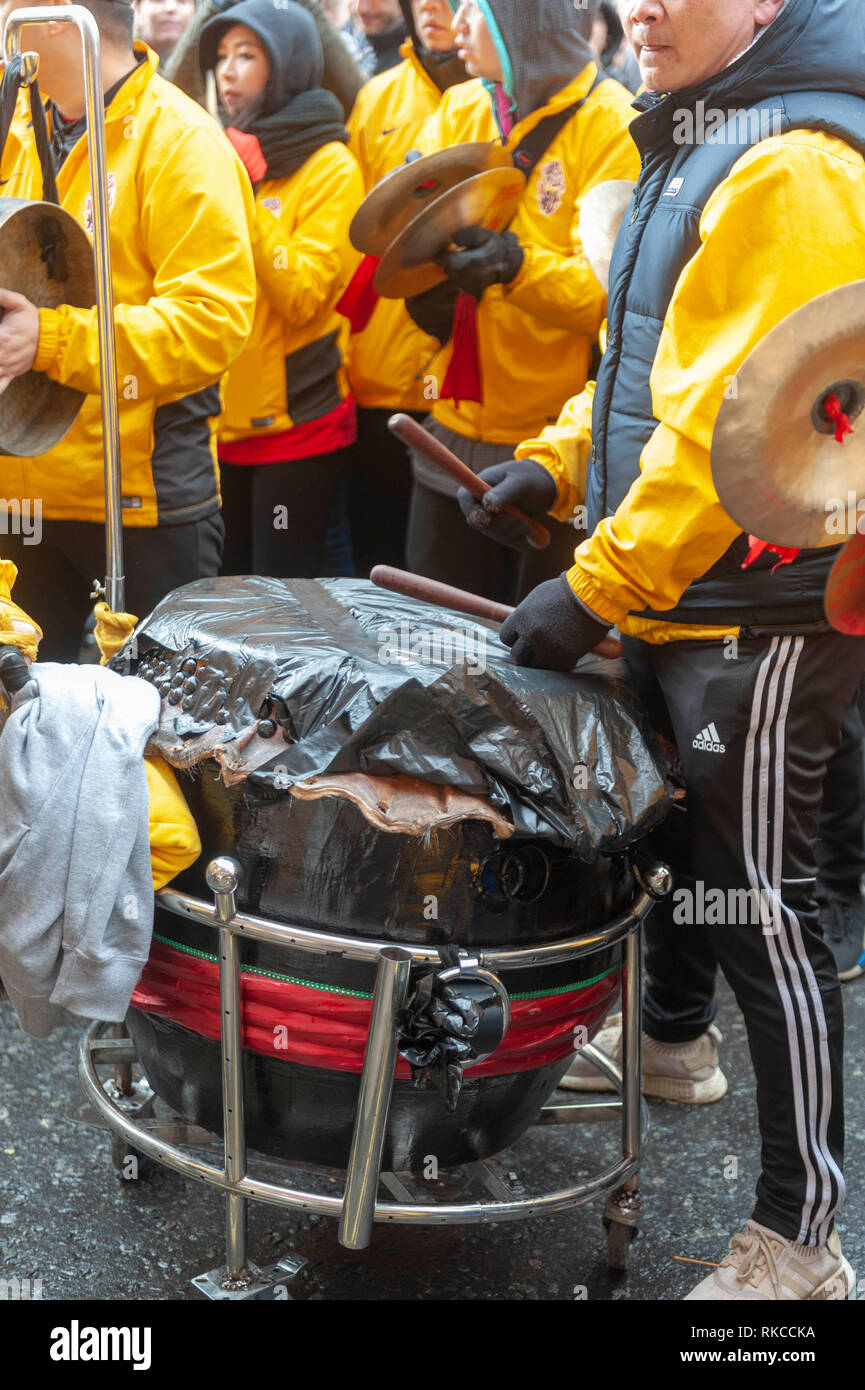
{"points": [[764, 1266], [687, 1072]]}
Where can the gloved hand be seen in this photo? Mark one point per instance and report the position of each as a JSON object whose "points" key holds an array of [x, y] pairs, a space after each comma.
{"points": [[519, 483], [433, 311], [551, 629], [490, 258]]}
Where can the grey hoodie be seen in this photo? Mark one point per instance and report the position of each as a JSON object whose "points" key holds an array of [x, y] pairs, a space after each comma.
{"points": [[539, 46], [76, 889]]}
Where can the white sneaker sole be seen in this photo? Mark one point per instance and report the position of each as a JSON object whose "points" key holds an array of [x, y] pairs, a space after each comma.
{"points": [[673, 1088]]}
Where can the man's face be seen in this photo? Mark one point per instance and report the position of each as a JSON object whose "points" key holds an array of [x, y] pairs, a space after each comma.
{"points": [[376, 16], [475, 43], [57, 46], [161, 23], [681, 43], [433, 20]]}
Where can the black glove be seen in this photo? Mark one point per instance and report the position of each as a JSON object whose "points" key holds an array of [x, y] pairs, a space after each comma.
{"points": [[551, 629], [433, 311], [490, 258], [519, 483]]}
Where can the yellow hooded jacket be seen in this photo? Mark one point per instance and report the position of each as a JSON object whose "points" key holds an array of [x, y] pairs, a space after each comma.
{"points": [[184, 290], [389, 360], [291, 371], [788, 224], [536, 334]]}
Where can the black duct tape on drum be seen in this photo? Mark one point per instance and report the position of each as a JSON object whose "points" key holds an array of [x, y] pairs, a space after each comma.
{"points": [[355, 678]]}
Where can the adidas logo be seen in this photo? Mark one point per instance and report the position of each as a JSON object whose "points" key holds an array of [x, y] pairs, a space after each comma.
{"points": [[710, 741]]}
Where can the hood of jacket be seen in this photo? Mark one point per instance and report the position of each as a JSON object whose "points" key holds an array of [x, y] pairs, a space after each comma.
{"points": [[811, 45], [289, 35], [540, 48], [445, 69]]}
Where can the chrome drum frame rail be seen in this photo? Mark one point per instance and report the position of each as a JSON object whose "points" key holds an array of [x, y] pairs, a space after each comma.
{"points": [[358, 1207]]}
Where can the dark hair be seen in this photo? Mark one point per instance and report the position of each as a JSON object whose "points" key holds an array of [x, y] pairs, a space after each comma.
{"points": [[115, 18]]}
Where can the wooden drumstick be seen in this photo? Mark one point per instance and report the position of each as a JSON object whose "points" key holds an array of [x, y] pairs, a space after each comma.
{"points": [[460, 600], [416, 437]]}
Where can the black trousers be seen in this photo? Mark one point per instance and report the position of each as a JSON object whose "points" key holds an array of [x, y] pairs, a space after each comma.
{"points": [[755, 734], [841, 846], [277, 514], [55, 578], [442, 546], [379, 489]]}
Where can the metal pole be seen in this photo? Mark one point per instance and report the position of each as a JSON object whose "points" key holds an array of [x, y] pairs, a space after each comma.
{"points": [[376, 1086], [632, 1048], [83, 20], [222, 878]]}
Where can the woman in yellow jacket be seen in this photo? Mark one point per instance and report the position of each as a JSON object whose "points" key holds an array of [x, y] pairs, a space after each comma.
{"points": [[289, 418]]}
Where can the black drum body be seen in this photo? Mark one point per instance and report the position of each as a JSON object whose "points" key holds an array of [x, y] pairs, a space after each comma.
{"points": [[322, 864]]}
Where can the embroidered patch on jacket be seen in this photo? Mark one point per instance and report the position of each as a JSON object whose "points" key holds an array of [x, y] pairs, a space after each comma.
{"points": [[273, 205], [552, 186], [88, 203]]}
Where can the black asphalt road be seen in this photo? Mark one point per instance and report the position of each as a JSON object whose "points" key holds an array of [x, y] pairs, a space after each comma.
{"points": [[67, 1220]]}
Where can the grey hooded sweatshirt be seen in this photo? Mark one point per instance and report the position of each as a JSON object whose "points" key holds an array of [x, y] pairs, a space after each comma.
{"points": [[540, 48], [76, 889]]}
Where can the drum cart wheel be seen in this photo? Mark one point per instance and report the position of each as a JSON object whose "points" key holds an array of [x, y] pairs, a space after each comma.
{"points": [[359, 1206]]}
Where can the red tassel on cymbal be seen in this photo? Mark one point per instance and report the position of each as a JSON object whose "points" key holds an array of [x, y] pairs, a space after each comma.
{"points": [[464, 379], [832, 408], [358, 304]]}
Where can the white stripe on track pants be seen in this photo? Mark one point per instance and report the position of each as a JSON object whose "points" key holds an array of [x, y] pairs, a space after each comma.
{"points": [[744, 855]]}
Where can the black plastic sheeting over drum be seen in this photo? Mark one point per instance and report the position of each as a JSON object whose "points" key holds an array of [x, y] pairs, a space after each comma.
{"points": [[352, 678]]}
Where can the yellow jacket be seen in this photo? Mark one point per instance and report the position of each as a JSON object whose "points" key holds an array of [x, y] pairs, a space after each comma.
{"points": [[536, 334], [788, 224], [388, 361], [291, 370], [16, 628], [184, 293]]}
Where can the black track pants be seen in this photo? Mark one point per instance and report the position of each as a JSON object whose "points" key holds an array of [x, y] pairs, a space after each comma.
{"points": [[755, 725]]}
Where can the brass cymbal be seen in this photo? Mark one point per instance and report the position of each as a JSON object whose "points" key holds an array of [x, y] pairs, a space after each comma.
{"points": [[845, 592], [777, 467], [402, 195], [46, 256], [487, 200], [601, 216]]}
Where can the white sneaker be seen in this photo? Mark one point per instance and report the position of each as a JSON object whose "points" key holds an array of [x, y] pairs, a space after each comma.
{"points": [[686, 1072], [764, 1266]]}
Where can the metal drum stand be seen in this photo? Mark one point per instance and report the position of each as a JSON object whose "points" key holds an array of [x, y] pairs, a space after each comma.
{"points": [[358, 1207]]}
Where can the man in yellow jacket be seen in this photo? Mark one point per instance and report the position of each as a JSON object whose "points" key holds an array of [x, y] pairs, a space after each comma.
{"points": [[539, 304], [730, 649], [184, 290], [389, 355]]}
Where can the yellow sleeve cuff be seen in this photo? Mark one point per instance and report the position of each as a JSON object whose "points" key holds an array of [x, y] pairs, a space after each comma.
{"points": [[594, 598], [8, 575], [49, 338]]}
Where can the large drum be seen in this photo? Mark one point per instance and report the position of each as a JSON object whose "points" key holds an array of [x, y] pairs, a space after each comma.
{"points": [[340, 834]]}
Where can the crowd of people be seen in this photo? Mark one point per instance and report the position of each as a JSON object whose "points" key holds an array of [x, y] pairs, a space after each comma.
{"points": [[257, 371]]}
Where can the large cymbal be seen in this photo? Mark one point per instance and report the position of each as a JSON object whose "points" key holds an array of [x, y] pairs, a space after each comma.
{"points": [[778, 469], [845, 592], [403, 194], [46, 256], [601, 216], [487, 200]]}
